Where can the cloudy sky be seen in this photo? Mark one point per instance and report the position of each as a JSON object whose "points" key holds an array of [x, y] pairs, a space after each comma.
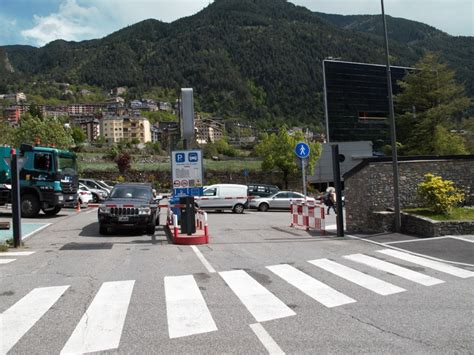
{"points": [[37, 22]]}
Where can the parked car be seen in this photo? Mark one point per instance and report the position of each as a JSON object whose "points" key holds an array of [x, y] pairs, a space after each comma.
{"points": [[97, 194], [262, 190], [280, 200], [104, 185], [224, 197], [129, 205], [84, 196], [93, 184]]}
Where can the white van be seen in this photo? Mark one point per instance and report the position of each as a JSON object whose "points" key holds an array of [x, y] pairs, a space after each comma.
{"points": [[224, 197]]}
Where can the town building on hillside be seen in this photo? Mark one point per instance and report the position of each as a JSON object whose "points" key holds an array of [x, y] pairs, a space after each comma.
{"points": [[125, 128], [18, 97], [167, 133], [208, 130], [165, 106], [77, 109], [89, 123], [119, 91], [12, 115]]}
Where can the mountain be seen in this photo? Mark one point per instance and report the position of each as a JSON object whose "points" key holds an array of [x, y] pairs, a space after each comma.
{"points": [[256, 59]]}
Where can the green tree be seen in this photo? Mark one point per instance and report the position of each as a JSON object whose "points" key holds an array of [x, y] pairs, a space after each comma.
{"points": [[78, 135], [277, 152], [49, 131], [7, 136], [432, 101]]}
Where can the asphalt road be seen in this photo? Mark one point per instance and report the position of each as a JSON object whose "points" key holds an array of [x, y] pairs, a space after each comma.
{"points": [[251, 290]]}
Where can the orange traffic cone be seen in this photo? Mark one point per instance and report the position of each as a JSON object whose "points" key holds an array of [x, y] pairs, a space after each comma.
{"points": [[78, 206]]}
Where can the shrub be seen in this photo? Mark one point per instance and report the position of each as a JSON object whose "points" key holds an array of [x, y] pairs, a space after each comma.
{"points": [[439, 195], [124, 162], [120, 178]]}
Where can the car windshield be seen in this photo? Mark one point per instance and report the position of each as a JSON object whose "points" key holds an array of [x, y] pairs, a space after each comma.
{"points": [[66, 164], [131, 192]]}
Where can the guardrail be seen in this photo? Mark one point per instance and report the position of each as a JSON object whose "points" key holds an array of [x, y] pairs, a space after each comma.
{"points": [[307, 215]]}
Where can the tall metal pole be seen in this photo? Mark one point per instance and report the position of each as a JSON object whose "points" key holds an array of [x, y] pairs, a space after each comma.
{"points": [[393, 135], [304, 176], [336, 171], [15, 199]]}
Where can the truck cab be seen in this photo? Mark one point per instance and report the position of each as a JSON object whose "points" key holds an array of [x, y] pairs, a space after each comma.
{"points": [[48, 179]]}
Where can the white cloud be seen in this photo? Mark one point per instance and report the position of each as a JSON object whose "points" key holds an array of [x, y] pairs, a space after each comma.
{"points": [[72, 22]]}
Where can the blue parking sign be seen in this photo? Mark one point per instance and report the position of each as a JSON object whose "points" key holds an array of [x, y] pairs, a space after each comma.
{"points": [[193, 157], [180, 158]]}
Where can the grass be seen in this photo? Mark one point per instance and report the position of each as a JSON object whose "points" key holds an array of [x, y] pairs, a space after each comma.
{"points": [[458, 214], [3, 248], [228, 165]]}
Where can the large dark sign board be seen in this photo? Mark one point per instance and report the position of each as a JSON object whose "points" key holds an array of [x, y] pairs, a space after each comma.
{"points": [[356, 101]]}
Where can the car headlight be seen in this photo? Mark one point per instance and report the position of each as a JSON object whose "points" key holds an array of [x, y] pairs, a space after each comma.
{"points": [[144, 211], [104, 209]]}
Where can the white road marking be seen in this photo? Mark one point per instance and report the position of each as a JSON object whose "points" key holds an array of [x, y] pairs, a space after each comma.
{"points": [[435, 265], [204, 261], [17, 253], [394, 269], [36, 231], [317, 290], [369, 282], [403, 250], [417, 240], [466, 238], [260, 302], [186, 308], [20, 317], [100, 328], [6, 261], [265, 338]]}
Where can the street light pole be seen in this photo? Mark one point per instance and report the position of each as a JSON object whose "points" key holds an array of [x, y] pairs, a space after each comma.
{"points": [[393, 135]]}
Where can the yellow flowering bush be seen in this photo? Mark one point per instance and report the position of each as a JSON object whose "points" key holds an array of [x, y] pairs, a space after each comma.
{"points": [[439, 195]]}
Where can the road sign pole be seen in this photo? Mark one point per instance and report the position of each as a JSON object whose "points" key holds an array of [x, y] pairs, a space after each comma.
{"points": [[304, 176], [16, 204]]}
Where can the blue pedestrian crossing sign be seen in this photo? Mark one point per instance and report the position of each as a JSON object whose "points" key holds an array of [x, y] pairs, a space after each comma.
{"points": [[302, 150]]}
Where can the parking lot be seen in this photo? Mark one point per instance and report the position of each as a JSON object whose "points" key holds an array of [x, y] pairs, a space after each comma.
{"points": [[259, 286]]}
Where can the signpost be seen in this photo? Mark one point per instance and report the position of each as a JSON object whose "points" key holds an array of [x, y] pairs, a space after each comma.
{"points": [[187, 172], [302, 151]]}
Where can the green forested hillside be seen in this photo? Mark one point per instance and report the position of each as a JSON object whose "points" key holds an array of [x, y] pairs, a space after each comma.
{"points": [[255, 59]]}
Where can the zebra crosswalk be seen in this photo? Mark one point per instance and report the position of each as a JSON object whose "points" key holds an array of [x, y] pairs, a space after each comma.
{"points": [[188, 313], [6, 258]]}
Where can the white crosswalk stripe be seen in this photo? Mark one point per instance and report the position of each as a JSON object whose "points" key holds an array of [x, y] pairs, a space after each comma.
{"points": [[319, 291], [432, 264], [20, 317], [369, 282], [6, 261], [260, 302], [186, 308], [394, 269], [101, 326]]}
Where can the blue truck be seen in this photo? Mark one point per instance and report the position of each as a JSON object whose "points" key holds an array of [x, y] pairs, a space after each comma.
{"points": [[48, 179]]}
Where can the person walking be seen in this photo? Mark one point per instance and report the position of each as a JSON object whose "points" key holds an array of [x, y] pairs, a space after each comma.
{"points": [[330, 200]]}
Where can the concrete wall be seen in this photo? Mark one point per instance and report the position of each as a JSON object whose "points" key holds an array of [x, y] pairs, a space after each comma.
{"points": [[369, 186]]}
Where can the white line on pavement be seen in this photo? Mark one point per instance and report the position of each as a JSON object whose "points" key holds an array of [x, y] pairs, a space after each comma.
{"points": [[435, 265], [394, 269], [260, 302], [386, 245], [6, 261], [36, 231], [265, 338], [100, 328], [417, 240], [463, 238], [317, 290], [17, 253], [201, 257], [357, 277], [186, 308], [20, 317]]}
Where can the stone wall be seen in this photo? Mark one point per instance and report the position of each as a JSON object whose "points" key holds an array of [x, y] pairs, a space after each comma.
{"points": [[369, 186], [429, 228]]}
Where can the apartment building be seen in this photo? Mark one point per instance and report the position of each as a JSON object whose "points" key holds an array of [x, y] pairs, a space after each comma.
{"points": [[208, 129], [125, 128]]}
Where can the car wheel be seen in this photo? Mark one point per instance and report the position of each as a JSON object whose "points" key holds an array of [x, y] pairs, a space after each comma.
{"points": [[30, 206], [263, 207], [52, 212], [239, 208], [95, 198], [103, 230], [150, 229]]}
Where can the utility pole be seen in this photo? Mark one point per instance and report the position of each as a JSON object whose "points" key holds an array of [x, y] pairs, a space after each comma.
{"points": [[393, 135]]}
